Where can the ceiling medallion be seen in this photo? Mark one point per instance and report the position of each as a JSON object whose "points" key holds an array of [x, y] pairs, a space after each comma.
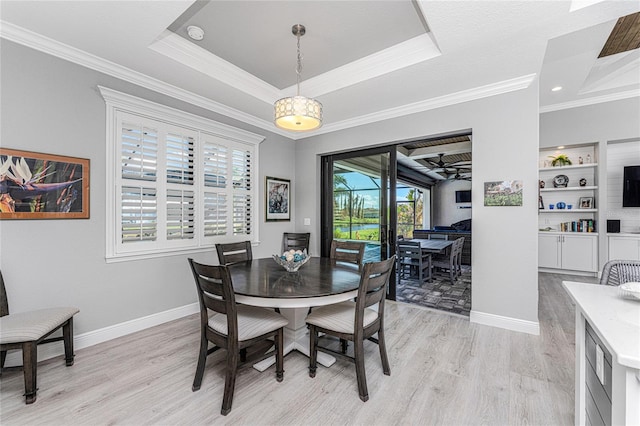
{"points": [[298, 113]]}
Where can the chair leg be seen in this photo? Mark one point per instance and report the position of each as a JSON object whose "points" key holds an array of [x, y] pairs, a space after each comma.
{"points": [[279, 355], [383, 352], [202, 360], [358, 347], [30, 366], [229, 381], [313, 350], [67, 333], [344, 344]]}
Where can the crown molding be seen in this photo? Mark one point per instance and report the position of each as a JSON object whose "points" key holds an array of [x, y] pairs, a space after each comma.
{"points": [[52, 47], [492, 89], [591, 101]]}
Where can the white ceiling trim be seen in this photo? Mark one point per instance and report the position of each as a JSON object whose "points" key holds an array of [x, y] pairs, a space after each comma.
{"points": [[49, 46], [402, 55], [177, 48], [493, 89], [591, 101]]}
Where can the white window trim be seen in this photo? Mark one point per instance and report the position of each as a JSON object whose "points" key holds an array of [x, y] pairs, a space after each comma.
{"points": [[117, 101]]}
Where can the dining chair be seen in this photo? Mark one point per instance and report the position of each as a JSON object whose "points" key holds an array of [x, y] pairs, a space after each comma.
{"points": [[347, 251], [412, 260], [451, 260], [27, 330], [616, 272], [355, 321], [233, 327], [295, 241], [234, 252]]}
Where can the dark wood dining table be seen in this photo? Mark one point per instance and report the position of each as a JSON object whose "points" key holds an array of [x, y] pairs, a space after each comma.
{"points": [[320, 281]]}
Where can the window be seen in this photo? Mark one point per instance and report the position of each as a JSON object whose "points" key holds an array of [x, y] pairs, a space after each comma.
{"points": [[176, 182]]}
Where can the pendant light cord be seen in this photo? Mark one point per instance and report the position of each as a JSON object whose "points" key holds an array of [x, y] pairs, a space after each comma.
{"points": [[299, 67]]}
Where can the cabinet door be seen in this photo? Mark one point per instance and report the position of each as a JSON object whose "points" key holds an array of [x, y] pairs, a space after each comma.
{"points": [[548, 251], [579, 253], [624, 248]]}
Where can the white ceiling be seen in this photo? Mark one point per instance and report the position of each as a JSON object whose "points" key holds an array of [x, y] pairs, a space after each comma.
{"points": [[364, 60]]}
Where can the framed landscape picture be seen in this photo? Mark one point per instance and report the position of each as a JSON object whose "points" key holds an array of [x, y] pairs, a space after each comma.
{"points": [[278, 199], [503, 193], [43, 186]]}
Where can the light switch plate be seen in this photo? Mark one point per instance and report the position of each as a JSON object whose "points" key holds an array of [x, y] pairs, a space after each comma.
{"points": [[307, 221], [600, 364]]}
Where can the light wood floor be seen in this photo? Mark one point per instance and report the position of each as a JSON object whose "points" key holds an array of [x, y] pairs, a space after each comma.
{"points": [[444, 370]]}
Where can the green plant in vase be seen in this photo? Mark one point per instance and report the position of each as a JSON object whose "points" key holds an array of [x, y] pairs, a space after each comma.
{"points": [[560, 160]]}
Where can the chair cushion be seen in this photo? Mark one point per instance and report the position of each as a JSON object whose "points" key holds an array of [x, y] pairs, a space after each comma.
{"points": [[339, 317], [32, 325], [252, 322]]}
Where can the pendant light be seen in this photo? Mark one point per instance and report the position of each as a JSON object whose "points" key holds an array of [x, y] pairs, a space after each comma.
{"points": [[298, 113]]}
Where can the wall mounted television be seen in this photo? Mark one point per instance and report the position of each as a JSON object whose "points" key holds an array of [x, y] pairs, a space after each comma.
{"points": [[631, 187], [463, 196]]}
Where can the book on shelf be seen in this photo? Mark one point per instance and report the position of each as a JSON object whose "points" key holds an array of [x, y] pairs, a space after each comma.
{"points": [[581, 225]]}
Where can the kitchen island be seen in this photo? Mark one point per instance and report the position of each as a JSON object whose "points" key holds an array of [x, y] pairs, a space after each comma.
{"points": [[607, 377]]}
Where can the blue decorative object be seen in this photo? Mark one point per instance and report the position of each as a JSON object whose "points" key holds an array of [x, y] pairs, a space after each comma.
{"points": [[561, 205], [292, 260]]}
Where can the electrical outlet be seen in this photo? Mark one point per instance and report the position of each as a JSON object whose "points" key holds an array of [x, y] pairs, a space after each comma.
{"points": [[600, 364]]}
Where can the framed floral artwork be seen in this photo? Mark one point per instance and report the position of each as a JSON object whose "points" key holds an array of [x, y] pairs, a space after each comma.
{"points": [[278, 199], [43, 186]]}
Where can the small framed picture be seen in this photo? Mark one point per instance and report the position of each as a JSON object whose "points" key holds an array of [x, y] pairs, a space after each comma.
{"points": [[586, 202], [278, 199], [540, 203]]}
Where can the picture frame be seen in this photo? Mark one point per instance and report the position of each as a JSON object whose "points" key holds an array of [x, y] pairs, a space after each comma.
{"points": [[585, 202], [503, 193], [36, 185], [540, 203], [277, 199]]}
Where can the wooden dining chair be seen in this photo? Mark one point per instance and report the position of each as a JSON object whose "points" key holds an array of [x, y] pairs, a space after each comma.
{"points": [[234, 252], [451, 260], [27, 330], [413, 260], [616, 272], [347, 251], [295, 241], [355, 321], [233, 327]]}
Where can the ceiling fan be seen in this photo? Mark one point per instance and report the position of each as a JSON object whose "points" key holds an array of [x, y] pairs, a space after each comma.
{"points": [[465, 175], [442, 166]]}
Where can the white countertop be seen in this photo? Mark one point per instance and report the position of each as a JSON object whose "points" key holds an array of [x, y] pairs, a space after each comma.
{"points": [[615, 319]]}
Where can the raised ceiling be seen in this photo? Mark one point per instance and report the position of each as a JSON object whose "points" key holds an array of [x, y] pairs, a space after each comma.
{"points": [[364, 60]]}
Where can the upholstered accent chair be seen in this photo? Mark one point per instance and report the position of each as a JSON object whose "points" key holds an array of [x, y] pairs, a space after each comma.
{"points": [[234, 252], [355, 321], [27, 330], [616, 272], [236, 328]]}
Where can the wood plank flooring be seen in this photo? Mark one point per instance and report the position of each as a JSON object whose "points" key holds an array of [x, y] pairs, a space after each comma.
{"points": [[444, 370]]}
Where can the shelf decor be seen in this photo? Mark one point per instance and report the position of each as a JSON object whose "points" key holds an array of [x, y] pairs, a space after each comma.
{"points": [[278, 202], [561, 181], [585, 202], [560, 160], [43, 186]]}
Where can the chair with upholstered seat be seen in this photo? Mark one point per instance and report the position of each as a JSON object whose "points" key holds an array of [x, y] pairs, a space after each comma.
{"points": [[355, 321], [616, 272], [233, 327], [27, 330], [295, 241], [234, 252], [413, 260], [347, 251]]}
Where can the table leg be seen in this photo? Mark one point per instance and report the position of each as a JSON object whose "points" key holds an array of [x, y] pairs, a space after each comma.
{"points": [[296, 338]]}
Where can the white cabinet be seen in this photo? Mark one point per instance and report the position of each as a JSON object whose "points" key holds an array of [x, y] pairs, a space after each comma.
{"points": [[624, 247], [569, 251]]}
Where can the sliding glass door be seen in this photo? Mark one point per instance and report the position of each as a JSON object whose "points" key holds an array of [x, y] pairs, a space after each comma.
{"points": [[358, 192]]}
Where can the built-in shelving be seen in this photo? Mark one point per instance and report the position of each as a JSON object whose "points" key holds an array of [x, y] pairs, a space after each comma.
{"points": [[570, 188], [568, 211]]}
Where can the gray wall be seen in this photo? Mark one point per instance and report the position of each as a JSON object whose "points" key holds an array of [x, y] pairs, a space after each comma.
{"points": [[445, 209], [505, 146], [52, 106]]}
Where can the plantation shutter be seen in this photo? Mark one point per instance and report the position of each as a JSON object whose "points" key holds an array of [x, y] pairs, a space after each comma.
{"points": [[242, 202]]}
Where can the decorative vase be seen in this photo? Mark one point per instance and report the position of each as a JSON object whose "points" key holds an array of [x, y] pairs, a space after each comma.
{"points": [[541, 183], [583, 182], [561, 205]]}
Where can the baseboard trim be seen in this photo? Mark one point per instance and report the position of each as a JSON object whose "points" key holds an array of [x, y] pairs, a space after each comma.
{"points": [[514, 324], [105, 334]]}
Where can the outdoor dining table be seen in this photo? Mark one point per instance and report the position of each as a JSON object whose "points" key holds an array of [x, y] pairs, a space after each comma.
{"points": [[433, 246], [320, 281]]}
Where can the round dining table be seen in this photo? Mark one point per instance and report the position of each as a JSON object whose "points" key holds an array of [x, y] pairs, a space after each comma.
{"points": [[320, 281]]}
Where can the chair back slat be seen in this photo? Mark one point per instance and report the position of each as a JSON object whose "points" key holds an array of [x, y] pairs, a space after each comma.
{"points": [[409, 249], [347, 251], [616, 272], [215, 293], [4, 303], [295, 241], [234, 252], [374, 280]]}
